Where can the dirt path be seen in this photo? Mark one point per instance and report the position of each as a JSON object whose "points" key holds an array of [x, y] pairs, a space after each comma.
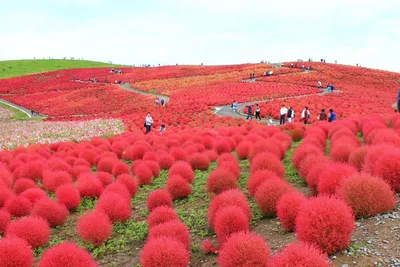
{"points": [[128, 87]]}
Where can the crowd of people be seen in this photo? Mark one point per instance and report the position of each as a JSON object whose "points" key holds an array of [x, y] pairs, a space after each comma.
{"points": [[329, 87], [116, 71]]}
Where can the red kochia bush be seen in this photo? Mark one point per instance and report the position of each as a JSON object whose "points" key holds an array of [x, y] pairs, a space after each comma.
{"points": [[288, 207], [154, 167], [367, 195], [164, 252], [199, 161], [244, 249], [229, 220], [115, 206], [69, 196], [67, 254], [372, 156], [226, 157], [94, 227], [231, 166], [119, 189], [269, 193], [5, 194], [183, 169], [160, 215], [143, 174], [357, 157], [157, 198], [105, 178], [120, 168], [207, 247], [34, 194], [174, 229], [297, 134], [18, 206], [166, 161], [243, 149], [89, 186], [302, 152], [331, 177], [267, 161], [53, 179], [388, 166], [106, 165], [257, 178], [325, 222], [5, 219], [178, 187], [54, 213], [34, 230], [220, 180], [222, 146], [340, 152], [234, 197], [129, 182], [23, 184], [300, 255], [15, 252], [265, 146]]}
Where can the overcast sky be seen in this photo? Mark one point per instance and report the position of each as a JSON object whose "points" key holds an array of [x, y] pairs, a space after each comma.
{"points": [[203, 31]]}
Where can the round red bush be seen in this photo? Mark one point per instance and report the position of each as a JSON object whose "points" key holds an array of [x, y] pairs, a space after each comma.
{"points": [[164, 252], [325, 222], [178, 187], [268, 195], [143, 174], [15, 252], [302, 152], [157, 198], [179, 154], [161, 215], [229, 220], [23, 184], [234, 197], [288, 207], [33, 194], [34, 230], [115, 206], [183, 169], [265, 146], [89, 186], [226, 157], [153, 165], [332, 176], [231, 166], [297, 134], [388, 166], [243, 149], [105, 178], [166, 161], [129, 182], [69, 196], [54, 213], [5, 194], [150, 155], [18, 206], [300, 255], [340, 152], [135, 152], [5, 219], [120, 168], [257, 178], [94, 227], [53, 179], [267, 161], [220, 180], [357, 157], [244, 249], [106, 165], [367, 195], [119, 189], [67, 254], [199, 161], [314, 172], [174, 229], [222, 146], [372, 156]]}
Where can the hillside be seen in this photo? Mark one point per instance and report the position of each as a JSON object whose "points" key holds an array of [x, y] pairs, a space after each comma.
{"points": [[15, 68]]}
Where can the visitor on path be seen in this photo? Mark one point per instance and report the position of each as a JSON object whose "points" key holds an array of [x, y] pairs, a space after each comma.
{"points": [[162, 128], [249, 112], [322, 115], [148, 123], [332, 87], [156, 101], [328, 87], [290, 115], [305, 115], [234, 105], [258, 110], [283, 113], [162, 102], [319, 85], [332, 116], [398, 101]]}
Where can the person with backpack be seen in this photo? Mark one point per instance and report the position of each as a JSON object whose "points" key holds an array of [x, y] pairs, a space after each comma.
{"points": [[283, 113], [305, 115], [258, 110], [148, 123], [322, 115], [290, 115], [332, 116]]}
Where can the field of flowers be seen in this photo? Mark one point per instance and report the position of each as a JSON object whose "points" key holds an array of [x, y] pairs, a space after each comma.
{"points": [[5, 114]]}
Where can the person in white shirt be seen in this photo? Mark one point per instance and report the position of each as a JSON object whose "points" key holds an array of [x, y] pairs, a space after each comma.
{"points": [[319, 85], [148, 123], [283, 113], [305, 115], [290, 114]]}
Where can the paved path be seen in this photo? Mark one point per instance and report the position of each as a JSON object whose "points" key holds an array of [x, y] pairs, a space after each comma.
{"points": [[128, 87], [20, 108]]}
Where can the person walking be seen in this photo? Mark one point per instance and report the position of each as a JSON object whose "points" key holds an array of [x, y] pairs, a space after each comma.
{"points": [[258, 110], [249, 112], [162, 128], [332, 116], [319, 85], [322, 115], [283, 113], [162, 102], [290, 115], [148, 123], [305, 115], [332, 87]]}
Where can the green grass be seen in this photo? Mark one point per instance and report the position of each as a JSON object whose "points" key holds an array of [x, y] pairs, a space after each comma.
{"points": [[15, 68], [291, 173], [18, 114]]}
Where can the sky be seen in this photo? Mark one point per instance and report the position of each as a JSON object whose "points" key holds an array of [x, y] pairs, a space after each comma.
{"points": [[134, 32]]}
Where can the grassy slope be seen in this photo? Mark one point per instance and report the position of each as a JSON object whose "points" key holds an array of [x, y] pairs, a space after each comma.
{"points": [[15, 68]]}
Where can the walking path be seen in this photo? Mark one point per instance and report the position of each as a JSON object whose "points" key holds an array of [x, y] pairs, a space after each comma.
{"points": [[20, 108]]}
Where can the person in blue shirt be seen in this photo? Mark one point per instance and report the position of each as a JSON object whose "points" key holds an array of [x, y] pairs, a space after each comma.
{"points": [[332, 116]]}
